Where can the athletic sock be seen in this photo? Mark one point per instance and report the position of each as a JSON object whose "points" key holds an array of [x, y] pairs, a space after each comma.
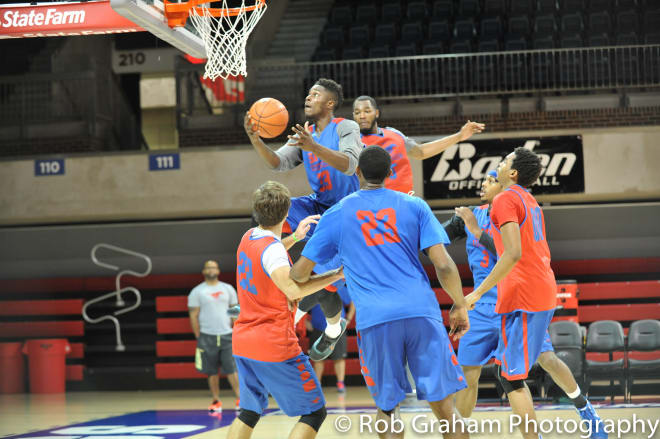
{"points": [[333, 330], [578, 398], [299, 315]]}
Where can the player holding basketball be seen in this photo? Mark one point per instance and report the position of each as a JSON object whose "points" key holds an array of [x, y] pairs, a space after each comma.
{"points": [[378, 234], [266, 350], [329, 151], [479, 345], [526, 288], [401, 147]]}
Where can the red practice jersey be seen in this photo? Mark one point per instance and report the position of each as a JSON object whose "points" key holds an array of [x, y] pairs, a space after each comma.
{"points": [[264, 330], [396, 144], [531, 285]]}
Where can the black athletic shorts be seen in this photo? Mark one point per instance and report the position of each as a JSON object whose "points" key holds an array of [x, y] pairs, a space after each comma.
{"points": [[214, 352]]}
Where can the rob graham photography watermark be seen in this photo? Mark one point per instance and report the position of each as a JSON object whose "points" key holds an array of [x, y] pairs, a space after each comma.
{"points": [[428, 424]]}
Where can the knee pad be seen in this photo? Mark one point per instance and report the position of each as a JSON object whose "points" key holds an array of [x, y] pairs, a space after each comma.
{"points": [[308, 302], [330, 303], [509, 385], [249, 418], [314, 419]]}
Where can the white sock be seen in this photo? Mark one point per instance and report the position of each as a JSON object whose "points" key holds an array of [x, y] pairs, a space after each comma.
{"points": [[574, 394], [299, 315], [333, 330]]}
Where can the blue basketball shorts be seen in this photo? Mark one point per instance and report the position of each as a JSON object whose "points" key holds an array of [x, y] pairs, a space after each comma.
{"points": [[301, 208], [523, 337], [422, 343], [479, 344], [292, 383]]}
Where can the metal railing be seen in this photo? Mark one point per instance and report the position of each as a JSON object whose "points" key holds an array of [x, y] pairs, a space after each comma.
{"points": [[437, 76]]}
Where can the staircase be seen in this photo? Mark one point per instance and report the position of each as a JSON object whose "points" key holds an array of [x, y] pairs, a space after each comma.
{"points": [[299, 30]]}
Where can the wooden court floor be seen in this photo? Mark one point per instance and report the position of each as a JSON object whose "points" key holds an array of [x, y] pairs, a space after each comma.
{"points": [[52, 416]]}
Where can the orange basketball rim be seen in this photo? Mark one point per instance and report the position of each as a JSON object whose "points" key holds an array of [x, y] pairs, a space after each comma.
{"points": [[177, 13]]}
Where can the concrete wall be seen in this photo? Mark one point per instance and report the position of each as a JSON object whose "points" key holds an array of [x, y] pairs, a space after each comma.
{"points": [[620, 164]]}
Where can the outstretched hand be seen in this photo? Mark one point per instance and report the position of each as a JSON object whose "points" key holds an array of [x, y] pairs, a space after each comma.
{"points": [[302, 138], [471, 128], [304, 226]]}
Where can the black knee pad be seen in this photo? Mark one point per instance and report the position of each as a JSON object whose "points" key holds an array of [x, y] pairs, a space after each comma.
{"points": [[314, 419], [330, 303], [308, 302], [509, 385], [249, 418]]}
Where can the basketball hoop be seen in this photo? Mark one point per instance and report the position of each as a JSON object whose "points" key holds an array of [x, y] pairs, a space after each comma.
{"points": [[224, 30]]}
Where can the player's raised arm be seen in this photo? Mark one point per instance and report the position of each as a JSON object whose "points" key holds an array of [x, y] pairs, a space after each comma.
{"points": [[429, 149], [284, 159]]}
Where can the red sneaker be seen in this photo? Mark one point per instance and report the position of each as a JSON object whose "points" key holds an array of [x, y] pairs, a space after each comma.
{"points": [[216, 406]]}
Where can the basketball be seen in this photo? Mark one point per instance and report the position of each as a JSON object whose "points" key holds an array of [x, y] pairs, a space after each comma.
{"points": [[270, 117]]}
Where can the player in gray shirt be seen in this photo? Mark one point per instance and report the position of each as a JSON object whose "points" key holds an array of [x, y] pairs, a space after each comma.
{"points": [[328, 147], [208, 303]]}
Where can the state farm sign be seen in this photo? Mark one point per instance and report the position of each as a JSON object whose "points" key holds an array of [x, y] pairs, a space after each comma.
{"points": [[64, 19]]}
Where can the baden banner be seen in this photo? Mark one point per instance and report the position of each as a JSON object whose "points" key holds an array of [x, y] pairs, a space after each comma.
{"points": [[459, 170]]}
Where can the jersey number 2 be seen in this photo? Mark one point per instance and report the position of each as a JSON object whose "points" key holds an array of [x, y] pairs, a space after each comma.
{"points": [[386, 217], [245, 268]]}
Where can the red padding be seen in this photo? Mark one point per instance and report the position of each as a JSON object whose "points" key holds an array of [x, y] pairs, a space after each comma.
{"points": [[619, 290], [42, 329], [182, 348], [173, 325], [351, 343], [351, 324], [75, 372], [621, 313], [77, 350], [41, 307], [443, 297], [606, 266], [171, 371], [171, 303]]}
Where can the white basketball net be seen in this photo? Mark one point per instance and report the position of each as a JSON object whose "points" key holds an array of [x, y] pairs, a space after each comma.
{"points": [[225, 38]]}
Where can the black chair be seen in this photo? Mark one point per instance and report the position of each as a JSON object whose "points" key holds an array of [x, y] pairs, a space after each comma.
{"points": [[491, 28], [412, 33], [433, 48], [571, 6], [569, 347], [601, 5], [600, 23], [341, 15], [651, 21], [606, 336], [623, 5], [391, 12], [416, 11], [405, 49], [443, 9], [521, 7], [325, 54], [381, 51], [546, 7], [366, 14], [627, 22], [468, 8], [359, 34], [644, 335], [545, 26], [353, 53], [333, 36], [598, 40], [517, 67], [494, 8], [438, 31], [464, 30], [385, 33], [519, 26], [572, 24]]}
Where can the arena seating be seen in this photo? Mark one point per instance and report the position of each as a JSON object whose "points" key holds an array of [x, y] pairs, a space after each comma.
{"points": [[405, 28]]}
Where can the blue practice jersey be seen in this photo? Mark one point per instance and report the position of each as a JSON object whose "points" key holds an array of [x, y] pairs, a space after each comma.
{"points": [[329, 184], [480, 259], [378, 235]]}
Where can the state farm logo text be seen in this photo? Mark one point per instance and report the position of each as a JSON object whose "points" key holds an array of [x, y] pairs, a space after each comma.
{"points": [[17, 19], [458, 167]]}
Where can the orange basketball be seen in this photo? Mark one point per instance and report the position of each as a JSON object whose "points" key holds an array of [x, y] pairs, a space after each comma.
{"points": [[270, 117]]}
